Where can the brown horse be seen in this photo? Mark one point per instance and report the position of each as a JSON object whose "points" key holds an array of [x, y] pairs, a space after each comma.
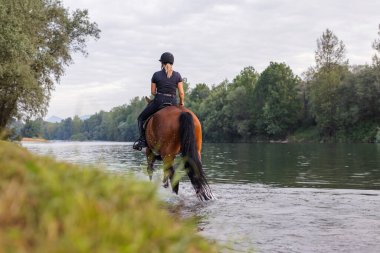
{"points": [[171, 131]]}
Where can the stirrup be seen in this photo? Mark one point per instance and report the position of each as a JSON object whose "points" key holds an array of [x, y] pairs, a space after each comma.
{"points": [[139, 144]]}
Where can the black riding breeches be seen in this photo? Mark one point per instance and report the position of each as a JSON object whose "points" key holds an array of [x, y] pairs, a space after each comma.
{"points": [[158, 103]]}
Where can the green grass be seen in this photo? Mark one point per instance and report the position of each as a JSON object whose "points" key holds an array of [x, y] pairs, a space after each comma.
{"points": [[49, 206]]}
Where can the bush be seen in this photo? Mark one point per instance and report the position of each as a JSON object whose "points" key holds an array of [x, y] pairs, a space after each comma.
{"points": [[79, 137], [46, 206], [365, 131]]}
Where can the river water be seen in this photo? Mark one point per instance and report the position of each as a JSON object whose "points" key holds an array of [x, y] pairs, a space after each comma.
{"points": [[271, 197]]}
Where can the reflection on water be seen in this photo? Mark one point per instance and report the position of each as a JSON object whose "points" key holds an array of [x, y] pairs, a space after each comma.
{"points": [[271, 197], [355, 166], [114, 156], [342, 166]]}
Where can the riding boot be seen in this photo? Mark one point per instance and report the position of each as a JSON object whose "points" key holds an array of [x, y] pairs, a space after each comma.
{"points": [[141, 129], [141, 142]]}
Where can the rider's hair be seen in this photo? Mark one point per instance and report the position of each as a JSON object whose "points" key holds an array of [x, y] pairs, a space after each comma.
{"points": [[168, 69]]}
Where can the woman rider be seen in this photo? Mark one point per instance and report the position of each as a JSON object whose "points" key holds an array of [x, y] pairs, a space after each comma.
{"points": [[164, 86]]}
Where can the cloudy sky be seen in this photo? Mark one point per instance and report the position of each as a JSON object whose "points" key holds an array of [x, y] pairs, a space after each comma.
{"points": [[211, 41]]}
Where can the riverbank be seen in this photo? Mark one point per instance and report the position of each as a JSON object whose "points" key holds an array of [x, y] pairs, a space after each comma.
{"points": [[360, 133], [49, 206], [312, 134], [34, 139]]}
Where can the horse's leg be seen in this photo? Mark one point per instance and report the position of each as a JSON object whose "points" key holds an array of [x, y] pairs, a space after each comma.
{"points": [[168, 162], [174, 182], [169, 173], [151, 158]]}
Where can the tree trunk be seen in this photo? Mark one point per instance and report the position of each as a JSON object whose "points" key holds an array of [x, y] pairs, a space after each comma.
{"points": [[6, 110]]}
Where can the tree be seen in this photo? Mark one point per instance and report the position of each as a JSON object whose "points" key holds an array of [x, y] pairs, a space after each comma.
{"points": [[240, 102], [216, 123], [118, 115], [304, 93], [37, 38], [32, 128], [324, 99], [67, 129], [361, 90], [247, 78], [330, 51], [199, 93], [331, 69], [277, 103], [50, 130], [128, 127], [197, 96], [358, 109], [77, 127], [239, 113], [376, 46]]}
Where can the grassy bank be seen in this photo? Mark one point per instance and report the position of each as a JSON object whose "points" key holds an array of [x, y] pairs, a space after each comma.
{"points": [[364, 132], [310, 135], [46, 206]]}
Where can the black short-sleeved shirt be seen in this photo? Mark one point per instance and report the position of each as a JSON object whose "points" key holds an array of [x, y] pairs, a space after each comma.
{"points": [[164, 84]]}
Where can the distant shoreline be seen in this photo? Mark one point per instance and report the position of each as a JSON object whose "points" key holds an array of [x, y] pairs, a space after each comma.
{"points": [[34, 139]]}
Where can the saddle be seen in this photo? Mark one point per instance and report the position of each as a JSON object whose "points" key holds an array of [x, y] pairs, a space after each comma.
{"points": [[161, 107], [149, 100]]}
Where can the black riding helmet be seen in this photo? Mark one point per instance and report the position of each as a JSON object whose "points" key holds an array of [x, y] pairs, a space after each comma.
{"points": [[167, 58]]}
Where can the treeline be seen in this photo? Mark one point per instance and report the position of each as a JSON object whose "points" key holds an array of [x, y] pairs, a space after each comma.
{"points": [[117, 125], [333, 101]]}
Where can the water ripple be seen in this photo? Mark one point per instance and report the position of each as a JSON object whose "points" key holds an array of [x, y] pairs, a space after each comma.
{"points": [[271, 198]]}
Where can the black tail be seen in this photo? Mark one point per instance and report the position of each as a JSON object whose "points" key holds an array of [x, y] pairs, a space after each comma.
{"points": [[189, 152]]}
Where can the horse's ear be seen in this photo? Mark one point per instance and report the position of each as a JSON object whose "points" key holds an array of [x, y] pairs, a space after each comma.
{"points": [[148, 100]]}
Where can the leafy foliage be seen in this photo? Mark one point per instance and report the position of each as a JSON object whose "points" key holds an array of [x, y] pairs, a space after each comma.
{"points": [[324, 98], [330, 51], [277, 102], [216, 124], [37, 38]]}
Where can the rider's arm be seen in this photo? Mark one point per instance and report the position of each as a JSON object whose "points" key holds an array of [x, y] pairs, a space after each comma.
{"points": [[153, 89], [181, 94]]}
